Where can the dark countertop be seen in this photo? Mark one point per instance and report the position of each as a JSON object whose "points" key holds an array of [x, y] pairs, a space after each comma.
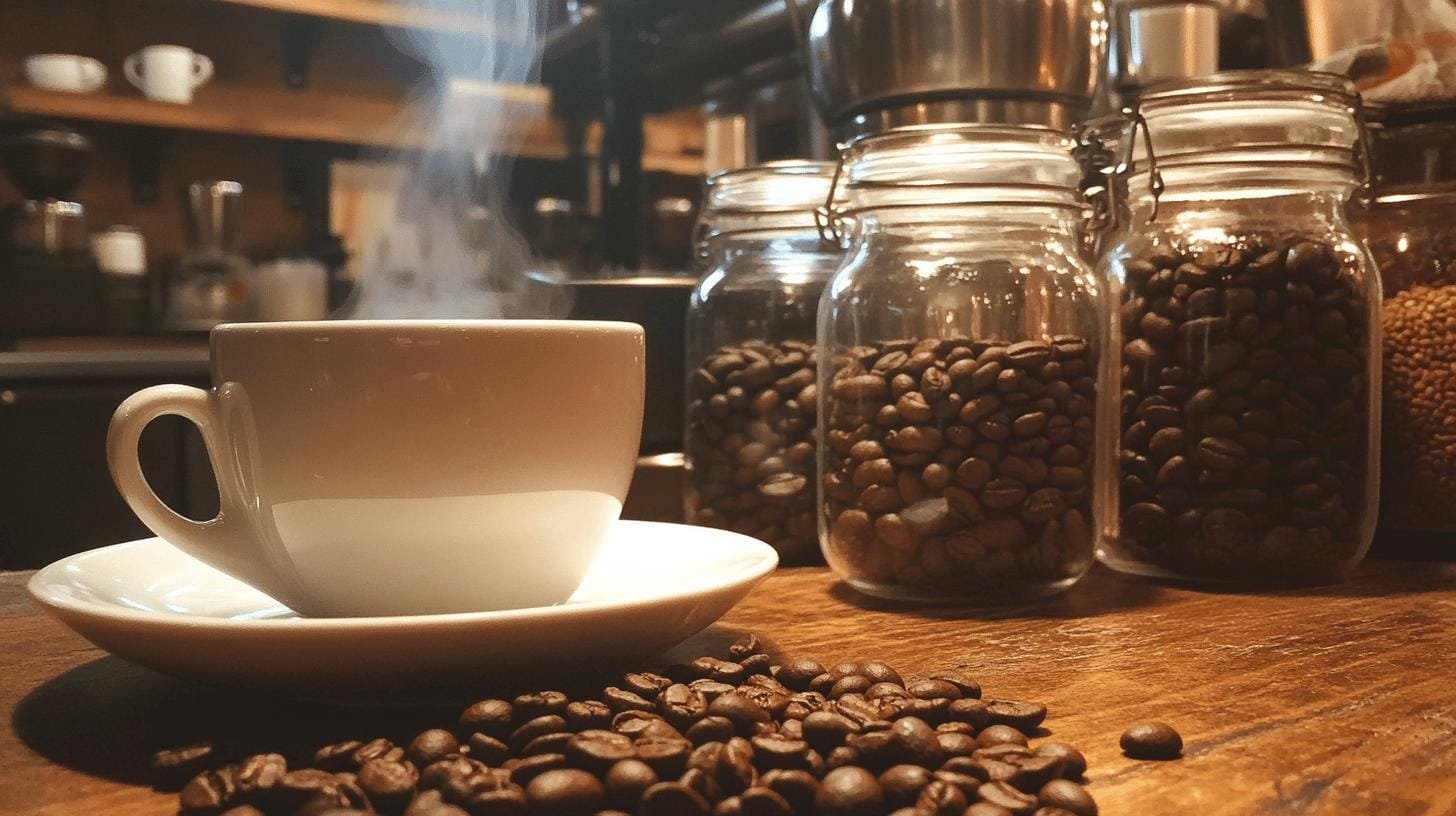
{"points": [[116, 363]]}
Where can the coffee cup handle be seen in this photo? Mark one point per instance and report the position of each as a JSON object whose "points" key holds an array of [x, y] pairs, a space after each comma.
{"points": [[201, 70], [131, 66], [215, 541]]}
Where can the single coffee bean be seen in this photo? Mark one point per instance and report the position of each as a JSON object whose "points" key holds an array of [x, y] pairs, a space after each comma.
{"points": [[1024, 717], [764, 801], [1074, 765], [430, 746], [208, 792], [1152, 740], [493, 718], [529, 768], [1005, 795], [389, 784], [538, 704], [1067, 795], [626, 781], [672, 799], [849, 791], [583, 715], [1000, 734], [430, 803], [567, 792], [175, 766], [710, 729]]}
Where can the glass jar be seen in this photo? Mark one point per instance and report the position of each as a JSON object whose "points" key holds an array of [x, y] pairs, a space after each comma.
{"points": [[749, 448], [1249, 335], [1410, 228], [958, 430]]}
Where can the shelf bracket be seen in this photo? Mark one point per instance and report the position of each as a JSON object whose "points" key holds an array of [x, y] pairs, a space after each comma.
{"points": [[146, 166], [300, 37]]}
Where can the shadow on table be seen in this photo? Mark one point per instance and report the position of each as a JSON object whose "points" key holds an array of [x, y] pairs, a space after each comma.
{"points": [[1101, 592], [108, 716], [1375, 578]]}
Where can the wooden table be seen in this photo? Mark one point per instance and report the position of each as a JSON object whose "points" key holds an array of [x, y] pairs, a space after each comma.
{"points": [[1331, 701]]}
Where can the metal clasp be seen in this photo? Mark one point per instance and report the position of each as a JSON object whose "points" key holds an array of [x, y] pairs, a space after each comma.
{"points": [[826, 217]]}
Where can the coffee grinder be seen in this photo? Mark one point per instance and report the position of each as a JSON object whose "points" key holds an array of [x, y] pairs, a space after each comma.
{"points": [[49, 283]]}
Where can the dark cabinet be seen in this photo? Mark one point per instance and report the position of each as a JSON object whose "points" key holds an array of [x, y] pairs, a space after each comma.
{"points": [[56, 494]]}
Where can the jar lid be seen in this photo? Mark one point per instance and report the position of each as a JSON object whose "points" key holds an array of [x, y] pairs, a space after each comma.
{"points": [[790, 186], [962, 164], [1256, 116]]}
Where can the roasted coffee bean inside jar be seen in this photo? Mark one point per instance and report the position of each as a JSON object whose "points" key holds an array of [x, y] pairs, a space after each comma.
{"points": [[1245, 424], [961, 467], [750, 444]]}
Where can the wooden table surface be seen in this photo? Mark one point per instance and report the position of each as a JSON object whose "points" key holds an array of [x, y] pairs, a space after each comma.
{"points": [[1330, 701]]}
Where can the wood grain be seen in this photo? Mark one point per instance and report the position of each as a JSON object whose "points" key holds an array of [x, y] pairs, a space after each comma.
{"points": [[1329, 701]]}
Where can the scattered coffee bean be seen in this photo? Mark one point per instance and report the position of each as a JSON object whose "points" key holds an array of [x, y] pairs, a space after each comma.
{"points": [[567, 792], [1152, 740], [1067, 795], [766, 746], [175, 766]]}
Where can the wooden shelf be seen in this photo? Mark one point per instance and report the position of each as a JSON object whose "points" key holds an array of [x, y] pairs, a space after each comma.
{"points": [[314, 117], [393, 13]]}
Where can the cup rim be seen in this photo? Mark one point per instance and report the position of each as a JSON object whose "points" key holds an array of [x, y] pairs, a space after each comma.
{"points": [[416, 325], [53, 55]]}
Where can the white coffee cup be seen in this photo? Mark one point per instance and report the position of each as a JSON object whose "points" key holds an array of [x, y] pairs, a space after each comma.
{"points": [[167, 73], [404, 467], [120, 250], [65, 72]]}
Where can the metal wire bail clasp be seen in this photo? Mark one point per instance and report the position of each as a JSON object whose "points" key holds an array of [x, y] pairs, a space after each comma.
{"points": [[826, 216], [1155, 176], [1364, 156]]}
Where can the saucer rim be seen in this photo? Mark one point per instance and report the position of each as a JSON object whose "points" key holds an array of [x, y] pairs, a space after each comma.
{"points": [[765, 562]]}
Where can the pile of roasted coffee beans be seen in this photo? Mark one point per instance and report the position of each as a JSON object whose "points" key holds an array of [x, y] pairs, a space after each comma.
{"points": [[1420, 404], [1245, 423], [961, 467], [750, 445], [709, 738]]}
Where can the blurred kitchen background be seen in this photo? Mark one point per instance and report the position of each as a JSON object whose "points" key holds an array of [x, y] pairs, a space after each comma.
{"points": [[171, 164]]}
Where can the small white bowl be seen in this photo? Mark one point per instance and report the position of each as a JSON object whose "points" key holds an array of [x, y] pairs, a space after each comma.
{"points": [[65, 72]]}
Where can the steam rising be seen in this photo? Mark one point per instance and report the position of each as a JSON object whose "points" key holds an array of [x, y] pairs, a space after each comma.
{"points": [[445, 249]]}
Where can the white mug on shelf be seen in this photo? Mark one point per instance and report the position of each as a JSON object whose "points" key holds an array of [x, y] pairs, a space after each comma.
{"points": [[65, 72], [167, 73]]}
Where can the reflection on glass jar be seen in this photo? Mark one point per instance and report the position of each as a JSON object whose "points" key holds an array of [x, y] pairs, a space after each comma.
{"points": [[1249, 335], [752, 402], [959, 395]]}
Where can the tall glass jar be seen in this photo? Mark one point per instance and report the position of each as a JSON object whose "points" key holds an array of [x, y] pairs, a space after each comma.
{"points": [[958, 419], [752, 401], [1410, 228], [1249, 336]]}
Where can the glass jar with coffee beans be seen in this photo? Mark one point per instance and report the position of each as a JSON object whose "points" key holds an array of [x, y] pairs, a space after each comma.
{"points": [[1249, 335], [752, 401], [1410, 228], [961, 342]]}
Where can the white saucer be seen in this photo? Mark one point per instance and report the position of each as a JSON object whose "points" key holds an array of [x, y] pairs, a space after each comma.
{"points": [[653, 586]]}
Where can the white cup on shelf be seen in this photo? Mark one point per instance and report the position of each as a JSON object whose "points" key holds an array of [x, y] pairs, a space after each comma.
{"points": [[167, 73], [72, 73]]}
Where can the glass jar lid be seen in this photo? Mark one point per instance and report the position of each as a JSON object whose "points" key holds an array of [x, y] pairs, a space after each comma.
{"points": [[791, 186], [1259, 117], [1412, 151], [961, 164]]}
